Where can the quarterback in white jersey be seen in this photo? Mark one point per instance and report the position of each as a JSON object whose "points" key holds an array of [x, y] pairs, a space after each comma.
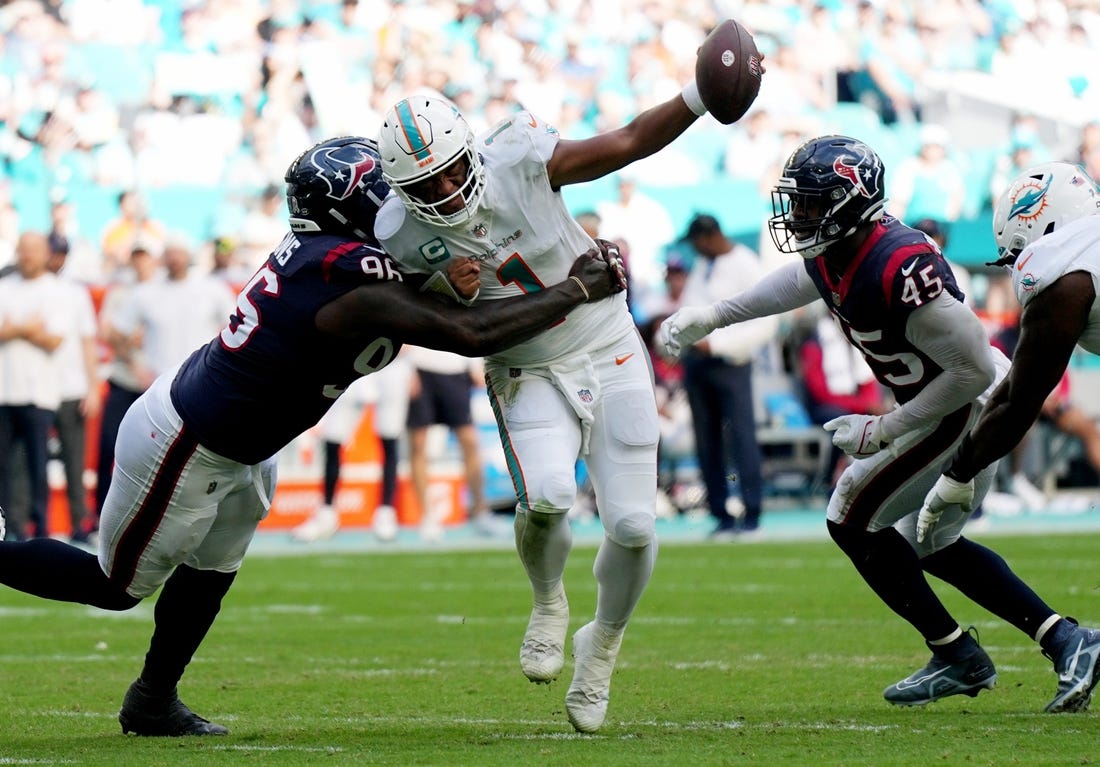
{"points": [[581, 389]]}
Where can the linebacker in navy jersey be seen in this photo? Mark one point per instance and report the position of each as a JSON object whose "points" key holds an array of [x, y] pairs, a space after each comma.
{"points": [[195, 467], [896, 300]]}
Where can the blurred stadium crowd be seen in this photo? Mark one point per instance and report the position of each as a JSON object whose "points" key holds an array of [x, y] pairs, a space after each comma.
{"points": [[198, 107]]}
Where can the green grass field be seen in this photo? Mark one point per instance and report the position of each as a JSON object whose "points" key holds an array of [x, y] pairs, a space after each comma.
{"points": [[739, 654]]}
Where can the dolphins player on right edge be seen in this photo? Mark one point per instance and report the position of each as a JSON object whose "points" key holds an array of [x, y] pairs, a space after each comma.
{"points": [[1047, 227]]}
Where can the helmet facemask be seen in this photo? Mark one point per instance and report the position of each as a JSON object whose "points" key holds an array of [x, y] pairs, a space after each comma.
{"points": [[467, 176], [809, 222]]}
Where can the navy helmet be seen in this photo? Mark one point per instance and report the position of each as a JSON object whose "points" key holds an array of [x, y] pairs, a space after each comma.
{"points": [[336, 187], [830, 186]]}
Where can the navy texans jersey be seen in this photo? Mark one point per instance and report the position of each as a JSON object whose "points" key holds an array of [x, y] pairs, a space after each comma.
{"points": [[271, 374], [896, 271]]}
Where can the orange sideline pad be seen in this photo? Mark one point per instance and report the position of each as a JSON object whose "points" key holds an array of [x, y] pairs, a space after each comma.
{"points": [[299, 489]]}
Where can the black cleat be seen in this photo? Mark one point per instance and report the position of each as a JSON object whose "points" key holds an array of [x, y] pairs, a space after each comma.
{"points": [[943, 677], [160, 716], [1078, 671]]}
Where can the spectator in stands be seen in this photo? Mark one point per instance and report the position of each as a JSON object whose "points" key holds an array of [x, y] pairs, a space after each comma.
{"points": [[131, 227], [1025, 149], [227, 265], [77, 362], [894, 61], [31, 330], [718, 378], [1088, 151], [754, 146], [929, 184]]}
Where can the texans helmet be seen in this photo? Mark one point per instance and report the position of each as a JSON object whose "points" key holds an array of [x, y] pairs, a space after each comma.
{"points": [[830, 186], [1038, 201], [336, 186], [422, 137]]}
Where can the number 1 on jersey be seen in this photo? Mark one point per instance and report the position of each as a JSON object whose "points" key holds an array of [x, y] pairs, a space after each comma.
{"points": [[515, 271]]}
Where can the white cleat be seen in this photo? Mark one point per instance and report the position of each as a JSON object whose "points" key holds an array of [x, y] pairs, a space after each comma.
{"points": [[321, 526], [542, 653], [384, 524], [594, 654]]}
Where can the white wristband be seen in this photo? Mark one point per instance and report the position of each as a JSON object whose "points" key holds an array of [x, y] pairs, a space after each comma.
{"points": [[690, 95]]}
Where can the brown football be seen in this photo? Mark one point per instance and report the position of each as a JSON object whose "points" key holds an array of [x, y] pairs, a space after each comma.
{"points": [[727, 71]]}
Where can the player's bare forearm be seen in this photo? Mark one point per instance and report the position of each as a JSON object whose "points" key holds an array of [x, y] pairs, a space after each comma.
{"points": [[1049, 329], [396, 310], [575, 162], [1001, 426]]}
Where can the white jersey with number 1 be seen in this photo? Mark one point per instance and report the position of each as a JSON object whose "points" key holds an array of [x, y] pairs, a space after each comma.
{"points": [[524, 237], [1074, 247]]}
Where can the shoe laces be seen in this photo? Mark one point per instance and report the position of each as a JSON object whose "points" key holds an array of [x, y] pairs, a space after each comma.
{"points": [[540, 644]]}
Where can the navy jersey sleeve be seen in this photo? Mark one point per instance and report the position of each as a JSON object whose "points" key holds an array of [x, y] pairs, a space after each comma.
{"points": [[914, 275]]}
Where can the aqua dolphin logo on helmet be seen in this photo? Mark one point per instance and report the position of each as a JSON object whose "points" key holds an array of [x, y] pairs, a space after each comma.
{"points": [[850, 173], [1030, 200], [357, 166]]}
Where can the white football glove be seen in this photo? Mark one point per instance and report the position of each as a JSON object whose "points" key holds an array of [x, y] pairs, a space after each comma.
{"points": [[857, 435], [684, 328], [946, 492]]}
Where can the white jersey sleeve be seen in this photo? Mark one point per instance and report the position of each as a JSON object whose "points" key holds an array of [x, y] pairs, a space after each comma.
{"points": [[1074, 247]]}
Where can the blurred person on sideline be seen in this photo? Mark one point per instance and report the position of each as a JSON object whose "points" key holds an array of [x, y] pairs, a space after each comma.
{"points": [[196, 458], [442, 386], [153, 328], [81, 386], [895, 298], [31, 331], [718, 378], [124, 383], [642, 224]]}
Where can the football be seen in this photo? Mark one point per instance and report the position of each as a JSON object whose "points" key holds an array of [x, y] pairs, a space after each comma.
{"points": [[728, 71]]}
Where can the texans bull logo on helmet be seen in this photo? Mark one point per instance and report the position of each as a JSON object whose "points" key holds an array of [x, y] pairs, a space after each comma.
{"points": [[851, 173], [358, 165]]}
